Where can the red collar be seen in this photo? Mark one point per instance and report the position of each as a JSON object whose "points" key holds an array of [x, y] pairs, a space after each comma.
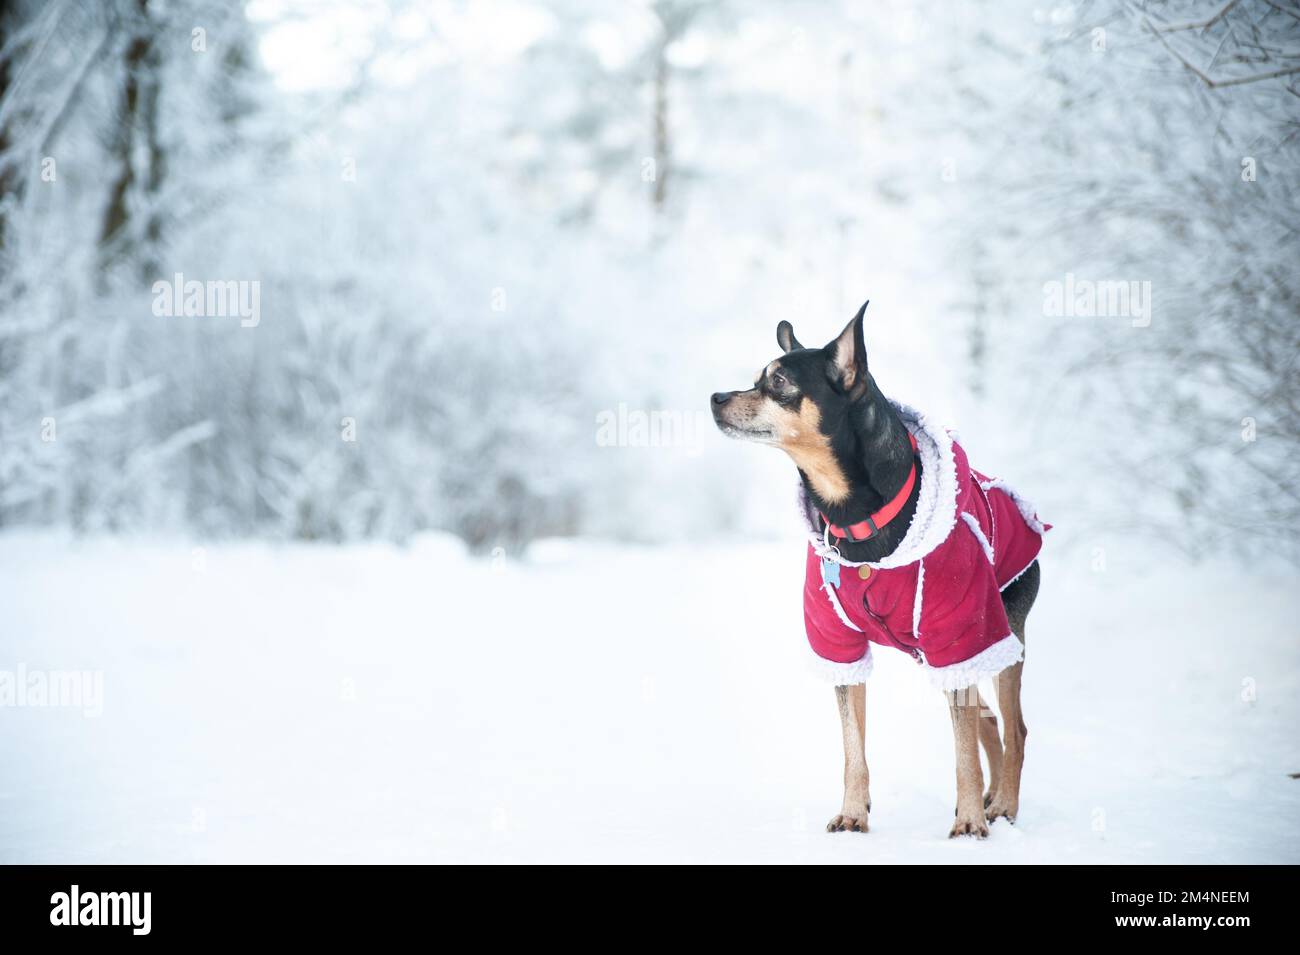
{"points": [[866, 529]]}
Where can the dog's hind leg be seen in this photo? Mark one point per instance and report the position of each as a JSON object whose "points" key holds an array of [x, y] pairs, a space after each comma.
{"points": [[852, 702], [964, 707], [1006, 799], [992, 744], [1018, 599]]}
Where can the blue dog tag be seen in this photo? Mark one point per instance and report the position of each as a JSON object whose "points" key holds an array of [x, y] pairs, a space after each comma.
{"points": [[830, 573]]}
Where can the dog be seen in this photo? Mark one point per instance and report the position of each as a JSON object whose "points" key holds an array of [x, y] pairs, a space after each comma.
{"points": [[909, 547]]}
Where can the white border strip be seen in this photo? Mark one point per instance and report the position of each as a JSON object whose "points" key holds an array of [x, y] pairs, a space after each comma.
{"points": [[1026, 509], [916, 604], [842, 674], [839, 608], [974, 526], [988, 662]]}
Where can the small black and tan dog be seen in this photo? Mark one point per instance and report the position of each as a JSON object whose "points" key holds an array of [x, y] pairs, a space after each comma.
{"points": [[856, 457]]}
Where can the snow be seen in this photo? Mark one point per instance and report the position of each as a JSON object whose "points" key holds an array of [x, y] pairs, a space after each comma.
{"points": [[598, 703]]}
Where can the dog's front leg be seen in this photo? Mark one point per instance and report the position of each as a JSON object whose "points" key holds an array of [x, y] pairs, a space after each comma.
{"points": [[852, 701], [964, 705]]}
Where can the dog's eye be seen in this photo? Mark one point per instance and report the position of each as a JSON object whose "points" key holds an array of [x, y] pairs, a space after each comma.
{"points": [[778, 381]]}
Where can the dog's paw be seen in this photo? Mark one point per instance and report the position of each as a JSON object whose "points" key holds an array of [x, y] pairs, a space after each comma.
{"points": [[843, 823], [1001, 809], [974, 826]]}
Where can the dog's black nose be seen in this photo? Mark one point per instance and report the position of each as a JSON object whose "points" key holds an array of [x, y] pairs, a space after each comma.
{"points": [[720, 397]]}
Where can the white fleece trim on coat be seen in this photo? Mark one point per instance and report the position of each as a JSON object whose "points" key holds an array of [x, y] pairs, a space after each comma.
{"points": [[842, 674], [973, 523], [988, 662], [1026, 509], [1019, 575], [916, 603], [936, 504]]}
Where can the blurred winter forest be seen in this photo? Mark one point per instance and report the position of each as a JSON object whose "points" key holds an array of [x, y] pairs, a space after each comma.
{"points": [[479, 229]]}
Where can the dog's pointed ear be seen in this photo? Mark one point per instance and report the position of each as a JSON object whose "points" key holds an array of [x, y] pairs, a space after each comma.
{"points": [[848, 357], [785, 337]]}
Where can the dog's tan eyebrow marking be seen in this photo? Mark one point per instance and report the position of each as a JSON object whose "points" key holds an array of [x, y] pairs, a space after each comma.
{"points": [[775, 368]]}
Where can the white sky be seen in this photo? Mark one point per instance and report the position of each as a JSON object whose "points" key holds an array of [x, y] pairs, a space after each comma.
{"points": [[317, 44]]}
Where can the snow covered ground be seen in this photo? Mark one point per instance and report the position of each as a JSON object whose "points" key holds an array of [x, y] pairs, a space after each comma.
{"points": [[280, 703]]}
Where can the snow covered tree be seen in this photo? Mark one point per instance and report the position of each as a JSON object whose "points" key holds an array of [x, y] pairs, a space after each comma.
{"points": [[1144, 147]]}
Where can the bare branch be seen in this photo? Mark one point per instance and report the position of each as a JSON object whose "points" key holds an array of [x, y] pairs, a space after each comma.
{"points": [[1204, 77], [1200, 24], [1289, 12]]}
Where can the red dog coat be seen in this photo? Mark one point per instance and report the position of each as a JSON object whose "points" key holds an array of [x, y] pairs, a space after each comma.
{"points": [[938, 596]]}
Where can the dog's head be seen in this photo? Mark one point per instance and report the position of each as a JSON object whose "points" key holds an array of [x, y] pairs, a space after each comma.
{"points": [[808, 402]]}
